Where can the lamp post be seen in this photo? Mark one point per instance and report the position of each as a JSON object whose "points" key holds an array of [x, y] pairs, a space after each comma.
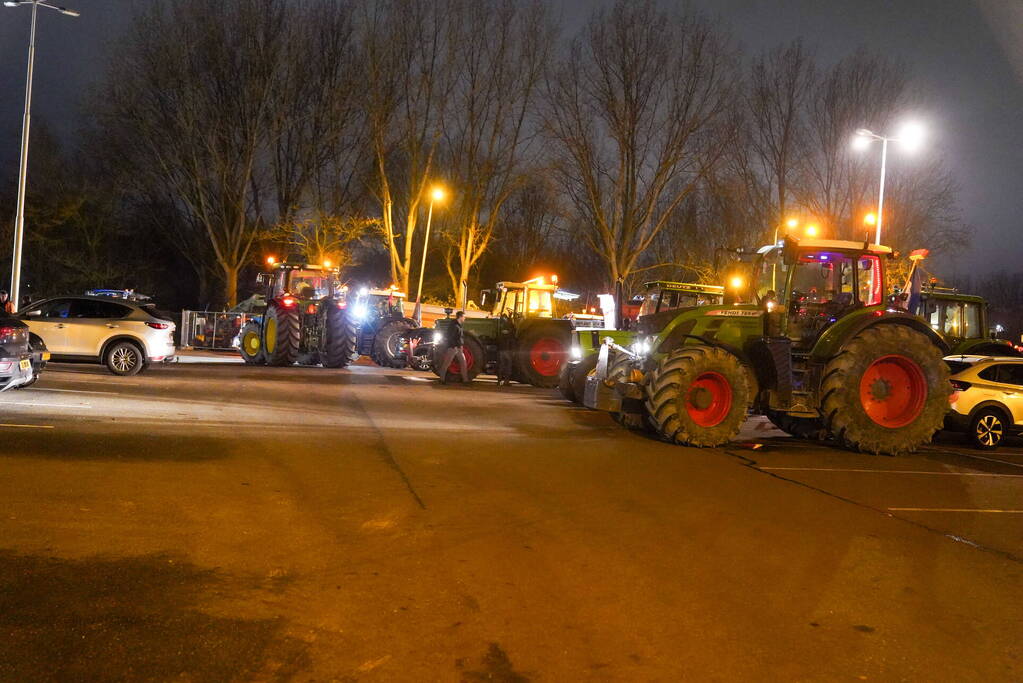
{"points": [[909, 136], [19, 222], [436, 195]]}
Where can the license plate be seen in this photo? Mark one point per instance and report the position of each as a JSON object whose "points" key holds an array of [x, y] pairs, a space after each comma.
{"points": [[25, 364]]}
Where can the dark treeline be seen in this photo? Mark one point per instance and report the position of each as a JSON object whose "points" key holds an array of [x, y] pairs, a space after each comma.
{"points": [[227, 130]]}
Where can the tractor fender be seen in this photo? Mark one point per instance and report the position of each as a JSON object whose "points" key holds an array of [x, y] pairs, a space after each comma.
{"points": [[836, 336]]}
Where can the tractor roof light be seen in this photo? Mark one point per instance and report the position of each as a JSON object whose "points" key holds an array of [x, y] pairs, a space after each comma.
{"points": [[271, 260], [289, 301]]}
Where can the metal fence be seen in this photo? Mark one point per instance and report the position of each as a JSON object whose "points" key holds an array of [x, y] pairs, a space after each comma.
{"points": [[212, 329]]}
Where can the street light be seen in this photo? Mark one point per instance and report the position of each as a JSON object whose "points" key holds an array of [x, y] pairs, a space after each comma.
{"points": [[910, 136], [19, 223], [437, 194]]}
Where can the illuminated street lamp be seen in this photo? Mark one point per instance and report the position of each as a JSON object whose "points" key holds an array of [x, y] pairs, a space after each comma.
{"points": [[910, 136], [19, 222], [437, 194], [870, 219]]}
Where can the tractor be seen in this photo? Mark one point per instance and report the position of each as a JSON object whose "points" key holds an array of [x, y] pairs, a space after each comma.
{"points": [[659, 298], [808, 338], [383, 327], [305, 321], [522, 317]]}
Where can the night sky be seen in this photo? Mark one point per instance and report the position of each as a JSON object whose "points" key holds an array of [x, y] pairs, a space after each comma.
{"points": [[967, 56]]}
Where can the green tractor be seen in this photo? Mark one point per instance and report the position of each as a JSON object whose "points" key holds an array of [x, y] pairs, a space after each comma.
{"points": [[961, 320], [812, 342], [523, 318], [305, 321], [660, 298]]}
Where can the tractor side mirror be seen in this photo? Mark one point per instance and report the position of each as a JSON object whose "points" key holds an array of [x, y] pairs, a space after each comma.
{"points": [[448, 312], [261, 278], [484, 295]]}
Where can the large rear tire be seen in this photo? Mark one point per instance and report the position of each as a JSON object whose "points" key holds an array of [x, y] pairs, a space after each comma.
{"points": [[886, 391], [251, 344], [340, 337], [388, 349], [474, 359], [281, 332], [541, 353], [698, 396]]}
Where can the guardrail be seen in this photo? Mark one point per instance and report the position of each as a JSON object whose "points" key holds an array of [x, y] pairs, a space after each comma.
{"points": [[217, 330]]}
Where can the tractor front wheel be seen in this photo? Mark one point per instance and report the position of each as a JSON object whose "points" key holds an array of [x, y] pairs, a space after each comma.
{"points": [[389, 349], [281, 330], [886, 391], [340, 336], [541, 353], [698, 396], [475, 359], [251, 346]]}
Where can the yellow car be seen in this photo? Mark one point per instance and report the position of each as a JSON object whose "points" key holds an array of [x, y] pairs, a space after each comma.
{"points": [[987, 398]]}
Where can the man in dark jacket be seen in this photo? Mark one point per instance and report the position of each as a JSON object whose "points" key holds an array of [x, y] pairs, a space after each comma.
{"points": [[455, 340]]}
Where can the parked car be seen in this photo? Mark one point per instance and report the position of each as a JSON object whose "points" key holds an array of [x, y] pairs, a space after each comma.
{"points": [[124, 333], [15, 356], [987, 398]]}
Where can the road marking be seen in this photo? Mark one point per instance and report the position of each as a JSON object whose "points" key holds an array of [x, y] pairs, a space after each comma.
{"points": [[92, 381], [78, 391], [1010, 512], [27, 426], [837, 469], [981, 457], [45, 405]]}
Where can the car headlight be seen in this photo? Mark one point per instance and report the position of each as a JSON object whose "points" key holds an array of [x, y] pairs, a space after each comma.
{"points": [[438, 337], [576, 352], [359, 311]]}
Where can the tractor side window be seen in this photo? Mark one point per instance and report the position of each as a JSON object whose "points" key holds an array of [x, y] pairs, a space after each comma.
{"points": [[950, 318], [933, 313], [650, 302], [770, 274], [971, 321], [869, 279], [540, 303]]}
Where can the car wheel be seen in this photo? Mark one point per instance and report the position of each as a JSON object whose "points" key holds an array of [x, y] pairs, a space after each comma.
{"points": [[124, 359], [987, 429]]}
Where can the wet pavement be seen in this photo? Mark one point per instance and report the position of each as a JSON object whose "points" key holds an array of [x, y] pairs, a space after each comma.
{"points": [[214, 521]]}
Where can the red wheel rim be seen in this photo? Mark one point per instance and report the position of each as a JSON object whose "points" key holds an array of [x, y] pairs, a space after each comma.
{"points": [[893, 391], [546, 356], [709, 399], [469, 360]]}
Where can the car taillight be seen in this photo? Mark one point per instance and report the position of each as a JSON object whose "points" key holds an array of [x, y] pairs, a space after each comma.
{"points": [[288, 301], [158, 326], [12, 334], [959, 385]]}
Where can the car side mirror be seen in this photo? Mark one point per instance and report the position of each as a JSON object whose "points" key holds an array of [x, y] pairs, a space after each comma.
{"points": [[34, 314]]}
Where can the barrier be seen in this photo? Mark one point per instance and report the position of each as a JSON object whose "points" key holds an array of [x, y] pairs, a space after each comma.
{"points": [[216, 330]]}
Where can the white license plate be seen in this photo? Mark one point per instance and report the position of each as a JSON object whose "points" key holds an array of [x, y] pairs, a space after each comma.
{"points": [[25, 364]]}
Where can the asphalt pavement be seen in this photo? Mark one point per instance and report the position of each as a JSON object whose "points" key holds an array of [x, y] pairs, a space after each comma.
{"points": [[213, 521]]}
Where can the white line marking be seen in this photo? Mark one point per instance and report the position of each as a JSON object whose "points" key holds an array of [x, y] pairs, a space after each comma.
{"points": [[836, 469], [981, 457], [45, 405], [1011, 512], [78, 391], [94, 381], [27, 426]]}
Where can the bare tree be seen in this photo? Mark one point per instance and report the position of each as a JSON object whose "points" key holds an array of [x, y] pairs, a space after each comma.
{"points": [[323, 238], [781, 81], [407, 70], [502, 49], [636, 112], [191, 92]]}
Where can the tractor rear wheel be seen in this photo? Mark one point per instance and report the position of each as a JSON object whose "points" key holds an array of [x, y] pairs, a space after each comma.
{"points": [[541, 353], [281, 330], [799, 427], [251, 346], [698, 396], [340, 336], [886, 391], [565, 385], [388, 347], [474, 360]]}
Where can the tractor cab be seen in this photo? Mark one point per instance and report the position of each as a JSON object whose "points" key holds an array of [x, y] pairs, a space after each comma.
{"points": [[378, 304], [305, 282], [529, 299], [662, 300], [812, 283]]}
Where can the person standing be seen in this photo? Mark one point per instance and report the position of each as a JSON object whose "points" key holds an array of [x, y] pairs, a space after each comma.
{"points": [[5, 302], [505, 351], [455, 342]]}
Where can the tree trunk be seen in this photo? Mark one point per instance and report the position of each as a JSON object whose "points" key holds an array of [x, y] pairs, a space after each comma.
{"points": [[230, 285]]}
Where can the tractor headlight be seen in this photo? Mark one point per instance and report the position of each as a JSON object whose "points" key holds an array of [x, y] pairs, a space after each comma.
{"points": [[576, 352], [438, 337], [359, 311], [641, 347]]}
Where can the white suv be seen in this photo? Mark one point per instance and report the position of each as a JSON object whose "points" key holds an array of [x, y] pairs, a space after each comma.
{"points": [[987, 398], [123, 335]]}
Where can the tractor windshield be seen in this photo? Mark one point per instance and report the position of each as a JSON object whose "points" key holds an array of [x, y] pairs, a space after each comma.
{"points": [[822, 277], [658, 299], [308, 284], [540, 303]]}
